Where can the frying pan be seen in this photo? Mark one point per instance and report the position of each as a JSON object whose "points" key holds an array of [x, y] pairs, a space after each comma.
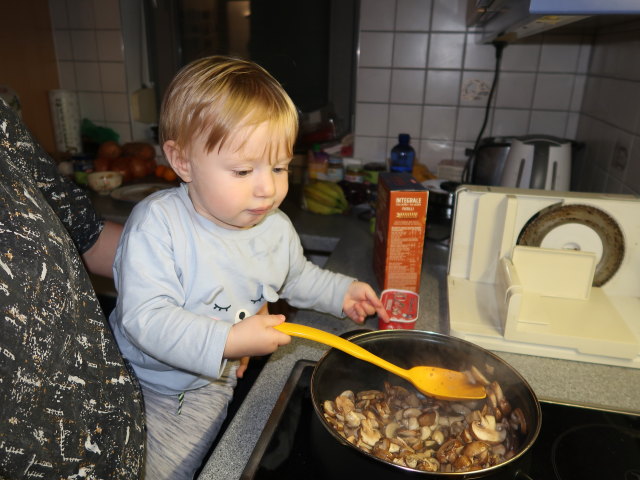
{"points": [[336, 372]]}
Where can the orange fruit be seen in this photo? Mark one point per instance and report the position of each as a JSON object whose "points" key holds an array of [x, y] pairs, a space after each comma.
{"points": [[169, 175], [160, 169]]}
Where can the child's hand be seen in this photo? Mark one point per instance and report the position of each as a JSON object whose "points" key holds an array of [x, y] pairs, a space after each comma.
{"points": [[255, 335], [360, 301], [242, 367]]}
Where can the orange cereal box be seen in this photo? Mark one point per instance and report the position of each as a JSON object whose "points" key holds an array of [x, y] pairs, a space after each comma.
{"points": [[401, 217]]}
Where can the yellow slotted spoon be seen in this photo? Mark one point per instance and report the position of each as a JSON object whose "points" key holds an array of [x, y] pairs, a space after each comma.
{"points": [[433, 381]]}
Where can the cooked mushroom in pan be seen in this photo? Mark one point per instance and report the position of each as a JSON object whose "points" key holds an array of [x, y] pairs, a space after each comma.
{"points": [[411, 430]]}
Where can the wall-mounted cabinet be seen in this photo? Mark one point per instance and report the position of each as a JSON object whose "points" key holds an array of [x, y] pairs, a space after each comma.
{"points": [[512, 20]]}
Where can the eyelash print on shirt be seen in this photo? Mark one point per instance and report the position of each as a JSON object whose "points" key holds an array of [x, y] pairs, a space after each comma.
{"points": [[218, 307], [258, 300]]}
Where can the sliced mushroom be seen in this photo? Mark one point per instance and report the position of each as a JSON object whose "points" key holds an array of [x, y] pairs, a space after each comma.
{"points": [[329, 407], [479, 377], [369, 434], [381, 450], [391, 429], [411, 461], [477, 452], [456, 428], [412, 423], [413, 400], [449, 451], [382, 409], [428, 419], [517, 417], [429, 465], [353, 419], [466, 436], [406, 432], [424, 433], [394, 447], [488, 431], [499, 449], [502, 402], [438, 437], [344, 403], [448, 420], [462, 463], [460, 409], [411, 412]]}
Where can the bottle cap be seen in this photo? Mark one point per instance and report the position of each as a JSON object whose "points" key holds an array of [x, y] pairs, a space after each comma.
{"points": [[404, 138]]}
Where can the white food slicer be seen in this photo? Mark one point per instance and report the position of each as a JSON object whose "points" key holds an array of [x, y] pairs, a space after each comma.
{"points": [[548, 273]]}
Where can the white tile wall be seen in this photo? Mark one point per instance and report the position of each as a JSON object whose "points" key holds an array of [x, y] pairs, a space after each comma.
{"points": [[443, 87], [610, 117], [90, 52], [446, 49], [418, 60], [109, 45], [407, 86], [413, 15], [107, 14], [374, 85], [410, 50]]}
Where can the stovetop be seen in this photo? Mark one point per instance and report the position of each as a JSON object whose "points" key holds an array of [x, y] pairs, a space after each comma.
{"points": [[574, 443]]}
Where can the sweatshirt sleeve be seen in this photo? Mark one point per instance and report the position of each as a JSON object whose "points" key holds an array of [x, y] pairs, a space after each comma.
{"points": [[150, 308], [309, 286]]}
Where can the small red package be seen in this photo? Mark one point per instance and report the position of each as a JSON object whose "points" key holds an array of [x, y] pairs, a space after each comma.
{"points": [[402, 307]]}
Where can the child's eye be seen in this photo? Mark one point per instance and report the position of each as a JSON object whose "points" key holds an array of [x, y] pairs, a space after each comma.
{"points": [[241, 173], [280, 169]]}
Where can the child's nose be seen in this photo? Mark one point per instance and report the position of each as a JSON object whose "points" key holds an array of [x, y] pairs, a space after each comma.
{"points": [[266, 186]]}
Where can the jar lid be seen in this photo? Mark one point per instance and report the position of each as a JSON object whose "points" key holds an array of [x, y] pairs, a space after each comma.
{"points": [[375, 166]]}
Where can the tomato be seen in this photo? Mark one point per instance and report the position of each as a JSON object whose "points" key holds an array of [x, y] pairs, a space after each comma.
{"points": [[123, 165], [138, 166], [151, 165], [139, 149], [109, 149], [102, 164]]}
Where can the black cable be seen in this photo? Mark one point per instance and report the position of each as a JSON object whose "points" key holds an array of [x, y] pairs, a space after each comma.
{"points": [[468, 168]]}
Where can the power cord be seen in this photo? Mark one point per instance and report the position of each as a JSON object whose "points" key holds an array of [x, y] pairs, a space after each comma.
{"points": [[468, 168]]}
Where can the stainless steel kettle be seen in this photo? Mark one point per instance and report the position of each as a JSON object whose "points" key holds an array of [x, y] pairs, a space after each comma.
{"points": [[540, 162], [489, 159]]}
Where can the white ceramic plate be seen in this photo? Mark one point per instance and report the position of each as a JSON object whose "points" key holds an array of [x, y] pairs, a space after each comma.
{"points": [[135, 193]]}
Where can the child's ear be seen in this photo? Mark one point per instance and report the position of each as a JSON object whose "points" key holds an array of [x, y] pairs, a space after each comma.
{"points": [[178, 160]]}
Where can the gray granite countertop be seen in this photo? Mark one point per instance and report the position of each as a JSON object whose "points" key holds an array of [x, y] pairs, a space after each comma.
{"points": [[559, 380], [565, 381]]}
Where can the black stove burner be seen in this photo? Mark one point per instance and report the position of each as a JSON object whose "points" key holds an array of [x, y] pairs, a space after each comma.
{"points": [[607, 451], [574, 443]]}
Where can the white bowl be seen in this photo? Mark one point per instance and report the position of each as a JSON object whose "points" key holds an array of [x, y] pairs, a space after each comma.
{"points": [[104, 182]]}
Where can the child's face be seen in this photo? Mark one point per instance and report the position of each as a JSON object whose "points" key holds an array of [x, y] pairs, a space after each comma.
{"points": [[237, 187]]}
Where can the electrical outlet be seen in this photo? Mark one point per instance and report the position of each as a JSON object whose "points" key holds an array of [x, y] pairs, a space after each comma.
{"points": [[475, 90]]}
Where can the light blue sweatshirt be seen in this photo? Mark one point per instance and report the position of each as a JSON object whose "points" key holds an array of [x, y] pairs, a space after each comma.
{"points": [[183, 281]]}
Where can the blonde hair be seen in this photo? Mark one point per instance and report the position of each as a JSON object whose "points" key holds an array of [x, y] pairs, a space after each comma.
{"points": [[216, 95]]}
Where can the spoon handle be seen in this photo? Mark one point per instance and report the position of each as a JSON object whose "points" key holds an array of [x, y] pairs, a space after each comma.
{"points": [[302, 331]]}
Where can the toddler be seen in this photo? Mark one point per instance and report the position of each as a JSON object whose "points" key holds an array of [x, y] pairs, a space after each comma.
{"points": [[198, 263]]}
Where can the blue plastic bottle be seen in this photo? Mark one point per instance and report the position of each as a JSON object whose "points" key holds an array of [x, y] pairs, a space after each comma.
{"points": [[402, 155]]}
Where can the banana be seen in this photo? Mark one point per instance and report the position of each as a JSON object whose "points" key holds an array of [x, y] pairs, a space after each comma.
{"points": [[331, 189], [317, 207], [321, 196]]}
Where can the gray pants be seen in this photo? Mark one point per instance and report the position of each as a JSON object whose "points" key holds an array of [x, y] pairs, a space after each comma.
{"points": [[176, 444]]}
